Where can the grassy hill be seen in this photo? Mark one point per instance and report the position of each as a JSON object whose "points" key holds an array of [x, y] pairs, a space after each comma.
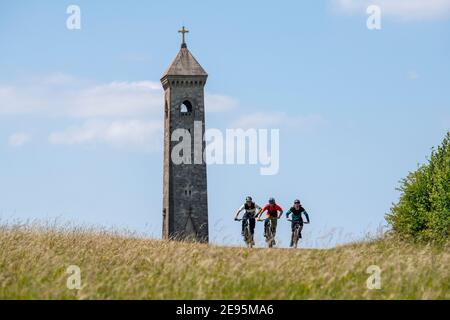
{"points": [[33, 263]]}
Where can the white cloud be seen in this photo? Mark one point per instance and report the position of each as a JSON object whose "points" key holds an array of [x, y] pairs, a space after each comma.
{"points": [[116, 99], [278, 120], [18, 139], [109, 110], [60, 95], [219, 103], [406, 10], [63, 95], [124, 134]]}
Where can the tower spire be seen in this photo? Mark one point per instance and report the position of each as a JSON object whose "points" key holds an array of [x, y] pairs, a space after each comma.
{"points": [[183, 31]]}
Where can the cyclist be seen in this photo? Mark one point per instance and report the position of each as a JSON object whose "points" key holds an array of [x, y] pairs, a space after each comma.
{"points": [[250, 208], [297, 218], [274, 212]]}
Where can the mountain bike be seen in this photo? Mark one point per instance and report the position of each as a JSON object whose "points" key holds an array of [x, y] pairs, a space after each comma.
{"points": [[248, 236], [296, 233], [269, 232]]}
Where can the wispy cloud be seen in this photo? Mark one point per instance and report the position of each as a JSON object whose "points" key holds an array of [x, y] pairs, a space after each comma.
{"points": [[123, 134], [63, 95], [117, 99], [58, 96], [219, 103], [119, 113], [18, 139], [404, 10]]}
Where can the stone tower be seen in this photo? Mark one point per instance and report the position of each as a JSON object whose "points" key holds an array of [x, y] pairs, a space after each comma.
{"points": [[185, 199]]}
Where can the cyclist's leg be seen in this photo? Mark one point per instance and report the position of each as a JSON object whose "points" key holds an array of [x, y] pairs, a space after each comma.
{"points": [[252, 222], [266, 225], [293, 227], [243, 224], [274, 221], [292, 232], [300, 228], [274, 226]]}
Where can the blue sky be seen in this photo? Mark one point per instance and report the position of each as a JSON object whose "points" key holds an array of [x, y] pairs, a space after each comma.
{"points": [[81, 110]]}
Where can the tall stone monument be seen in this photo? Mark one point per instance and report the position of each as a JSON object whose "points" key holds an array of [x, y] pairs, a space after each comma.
{"points": [[185, 199]]}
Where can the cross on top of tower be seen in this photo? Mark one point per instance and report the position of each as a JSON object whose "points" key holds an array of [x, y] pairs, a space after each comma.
{"points": [[183, 30]]}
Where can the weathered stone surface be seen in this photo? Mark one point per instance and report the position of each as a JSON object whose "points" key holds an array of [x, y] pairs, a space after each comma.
{"points": [[185, 64], [185, 196]]}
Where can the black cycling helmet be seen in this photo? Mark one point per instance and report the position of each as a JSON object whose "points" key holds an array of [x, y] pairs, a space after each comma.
{"points": [[296, 201], [247, 199], [272, 200]]}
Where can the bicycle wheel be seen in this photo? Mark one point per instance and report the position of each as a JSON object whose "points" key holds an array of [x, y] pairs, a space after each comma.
{"points": [[250, 240], [269, 238], [248, 237], [295, 237]]}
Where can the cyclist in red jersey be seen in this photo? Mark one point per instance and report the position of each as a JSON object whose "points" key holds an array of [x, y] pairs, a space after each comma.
{"points": [[274, 212]]}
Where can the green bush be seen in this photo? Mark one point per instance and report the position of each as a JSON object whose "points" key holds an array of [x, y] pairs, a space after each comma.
{"points": [[423, 211]]}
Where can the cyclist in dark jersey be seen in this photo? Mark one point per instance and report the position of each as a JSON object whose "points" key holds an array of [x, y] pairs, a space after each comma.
{"points": [[297, 210], [250, 208], [274, 212]]}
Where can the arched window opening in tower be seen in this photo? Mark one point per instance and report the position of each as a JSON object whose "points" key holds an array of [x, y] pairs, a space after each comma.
{"points": [[186, 107]]}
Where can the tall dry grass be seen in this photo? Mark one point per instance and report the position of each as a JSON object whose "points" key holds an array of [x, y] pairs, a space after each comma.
{"points": [[33, 263]]}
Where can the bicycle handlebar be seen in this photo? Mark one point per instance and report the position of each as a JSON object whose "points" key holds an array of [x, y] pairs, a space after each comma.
{"points": [[240, 219], [304, 222], [290, 220]]}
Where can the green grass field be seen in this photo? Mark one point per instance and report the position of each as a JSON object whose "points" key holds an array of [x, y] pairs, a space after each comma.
{"points": [[34, 260]]}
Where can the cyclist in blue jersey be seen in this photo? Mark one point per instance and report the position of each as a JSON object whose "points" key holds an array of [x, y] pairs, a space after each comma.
{"points": [[297, 210]]}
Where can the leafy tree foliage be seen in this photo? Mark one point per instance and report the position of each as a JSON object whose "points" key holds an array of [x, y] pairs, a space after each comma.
{"points": [[423, 211]]}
